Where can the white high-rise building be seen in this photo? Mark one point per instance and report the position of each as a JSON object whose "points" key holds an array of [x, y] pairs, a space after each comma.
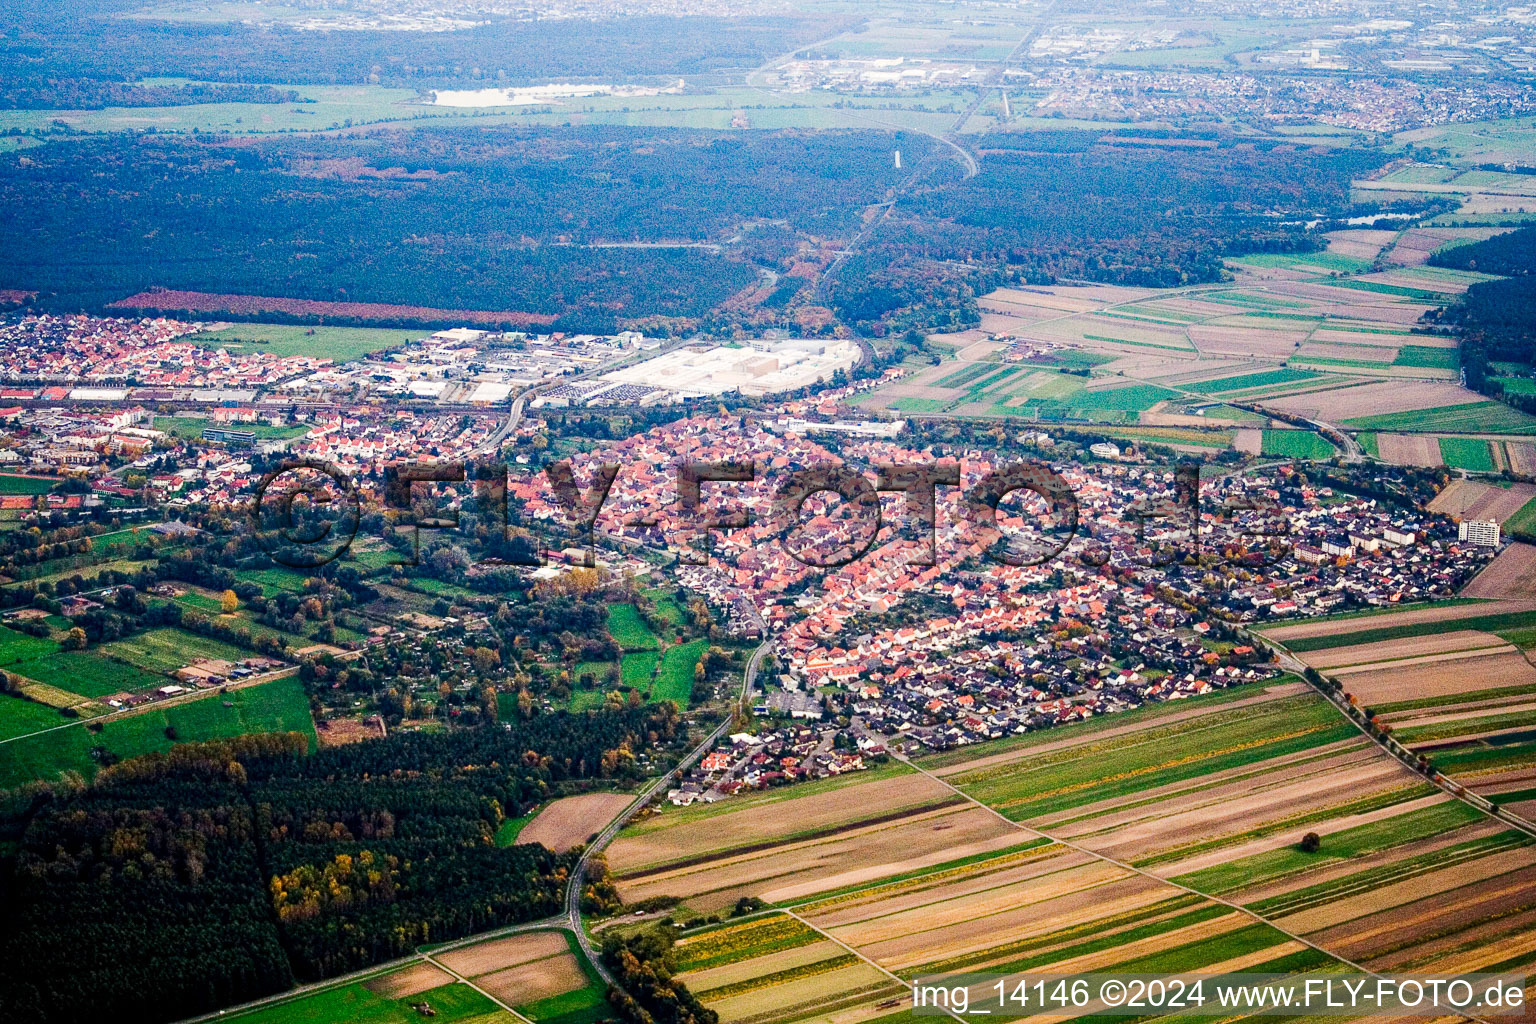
{"points": [[1482, 532]]}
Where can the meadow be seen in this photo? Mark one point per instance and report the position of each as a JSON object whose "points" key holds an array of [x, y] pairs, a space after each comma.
{"points": [[341, 344], [276, 706], [674, 678], [167, 649], [628, 629], [1297, 444]]}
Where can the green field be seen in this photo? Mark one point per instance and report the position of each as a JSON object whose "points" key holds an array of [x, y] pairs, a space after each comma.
{"points": [[1297, 444], [343, 344], [1428, 356], [1050, 782], [20, 717], [1466, 453], [1311, 262], [1353, 842], [674, 680], [355, 1004], [10, 483], [16, 646], [628, 629], [667, 606], [1467, 418], [1517, 385], [637, 669], [88, 674], [192, 427], [167, 649], [1523, 522], [277, 706], [1246, 381]]}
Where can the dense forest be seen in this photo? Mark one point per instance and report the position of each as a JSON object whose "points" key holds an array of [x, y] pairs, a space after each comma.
{"points": [[1495, 319], [178, 883], [1084, 205], [490, 219], [567, 221], [92, 39], [54, 93]]}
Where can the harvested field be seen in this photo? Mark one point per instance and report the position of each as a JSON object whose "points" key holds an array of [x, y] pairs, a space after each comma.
{"points": [[499, 954], [1390, 620], [1475, 499], [530, 982], [811, 993], [1409, 449], [1250, 441], [1510, 576], [1364, 244], [1521, 457], [337, 732], [1377, 399], [859, 856], [572, 820], [174, 302], [673, 837], [1464, 674], [1398, 650], [409, 982]]}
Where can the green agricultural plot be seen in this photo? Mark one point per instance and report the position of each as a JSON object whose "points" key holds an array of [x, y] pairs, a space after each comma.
{"points": [[1310, 262], [10, 483], [20, 717], [277, 706], [343, 344], [1297, 444], [16, 646], [1426, 356], [1243, 382], [965, 375], [1369, 445], [1050, 782], [628, 629], [1466, 453], [1419, 294], [1467, 418], [193, 426], [356, 1004], [167, 649], [88, 674], [1523, 522], [674, 680], [1353, 842], [1517, 385]]}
